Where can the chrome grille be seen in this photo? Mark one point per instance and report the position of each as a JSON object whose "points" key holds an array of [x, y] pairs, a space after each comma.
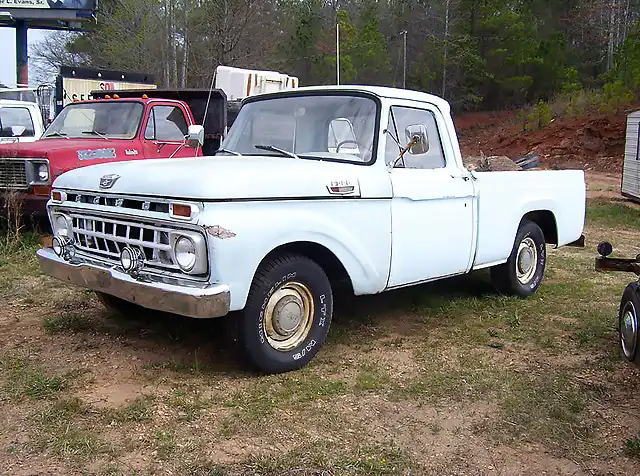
{"points": [[106, 238], [127, 202], [13, 174]]}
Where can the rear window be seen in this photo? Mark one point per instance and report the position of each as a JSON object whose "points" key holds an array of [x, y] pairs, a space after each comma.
{"points": [[15, 116]]}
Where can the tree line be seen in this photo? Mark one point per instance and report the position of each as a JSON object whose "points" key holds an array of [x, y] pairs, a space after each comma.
{"points": [[478, 54]]}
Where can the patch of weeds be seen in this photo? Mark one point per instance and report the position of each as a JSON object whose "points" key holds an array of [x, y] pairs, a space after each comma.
{"points": [[371, 377], [319, 457], [632, 448], [374, 461], [68, 322], [436, 385], [165, 443], [608, 214], [549, 408], [264, 396], [60, 431], [188, 406], [23, 379], [595, 327], [206, 468], [141, 409]]}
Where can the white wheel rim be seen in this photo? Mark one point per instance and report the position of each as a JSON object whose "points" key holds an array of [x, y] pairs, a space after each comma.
{"points": [[526, 261], [629, 330]]}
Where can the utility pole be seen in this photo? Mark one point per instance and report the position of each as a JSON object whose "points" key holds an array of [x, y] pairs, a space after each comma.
{"points": [[338, 52], [404, 77]]}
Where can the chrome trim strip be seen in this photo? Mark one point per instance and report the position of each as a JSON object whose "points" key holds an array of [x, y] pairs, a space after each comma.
{"points": [[176, 297]]}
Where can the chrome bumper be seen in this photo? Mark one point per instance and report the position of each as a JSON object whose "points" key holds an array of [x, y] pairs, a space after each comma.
{"points": [[186, 300]]}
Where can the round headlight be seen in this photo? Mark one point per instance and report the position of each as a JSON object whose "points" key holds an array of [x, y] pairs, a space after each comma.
{"points": [[185, 251], [43, 172], [62, 226]]}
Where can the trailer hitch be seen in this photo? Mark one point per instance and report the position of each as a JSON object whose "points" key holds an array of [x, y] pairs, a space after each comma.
{"points": [[604, 263]]}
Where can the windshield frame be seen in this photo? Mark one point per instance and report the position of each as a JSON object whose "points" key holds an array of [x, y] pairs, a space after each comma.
{"points": [[93, 137], [324, 92]]}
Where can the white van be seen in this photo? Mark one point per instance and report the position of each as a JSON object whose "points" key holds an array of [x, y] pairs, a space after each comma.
{"points": [[20, 121]]}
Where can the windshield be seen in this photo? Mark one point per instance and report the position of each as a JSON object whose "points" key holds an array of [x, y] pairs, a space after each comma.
{"points": [[21, 95], [339, 127], [15, 116], [109, 119]]}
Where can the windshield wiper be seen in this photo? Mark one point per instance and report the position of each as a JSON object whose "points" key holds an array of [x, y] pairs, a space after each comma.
{"points": [[95, 133], [227, 151], [57, 134], [272, 148]]}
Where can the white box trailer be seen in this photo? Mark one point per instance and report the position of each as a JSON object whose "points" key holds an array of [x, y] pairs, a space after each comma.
{"points": [[631, 168], [239, 83]]}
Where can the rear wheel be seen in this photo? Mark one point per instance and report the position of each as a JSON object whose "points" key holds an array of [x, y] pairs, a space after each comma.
{"points": [[287, 315], [628, 323], [522, 274]]}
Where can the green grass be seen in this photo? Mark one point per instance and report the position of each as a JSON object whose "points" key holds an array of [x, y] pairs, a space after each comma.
{"points": [[632, 448], [22, 378], [608, 214], [68, 322], [140, 410]]}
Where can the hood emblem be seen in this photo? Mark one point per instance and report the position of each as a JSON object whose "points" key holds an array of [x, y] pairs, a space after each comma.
{"points": [[107, 181]]}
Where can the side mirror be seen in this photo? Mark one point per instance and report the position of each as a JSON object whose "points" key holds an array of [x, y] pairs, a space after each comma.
{"points": [[417, 134], [195, 136], [17, 131]]}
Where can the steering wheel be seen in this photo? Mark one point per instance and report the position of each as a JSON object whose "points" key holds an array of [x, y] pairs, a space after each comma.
{"points": [[345, 142]]}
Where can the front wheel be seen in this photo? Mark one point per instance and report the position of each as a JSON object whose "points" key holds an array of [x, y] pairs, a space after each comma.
{"points": [[287, 315], [522, 274], [628, 323]]}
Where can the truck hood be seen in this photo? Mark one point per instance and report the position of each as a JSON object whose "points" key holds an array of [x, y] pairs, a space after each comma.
{"points": [[46, 147], [226, 178]]}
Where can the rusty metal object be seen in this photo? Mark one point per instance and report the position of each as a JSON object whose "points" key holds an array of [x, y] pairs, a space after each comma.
{"points": [[618, 264]]}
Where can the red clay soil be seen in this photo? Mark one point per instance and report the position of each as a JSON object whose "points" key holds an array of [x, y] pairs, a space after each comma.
{"points": [[592, 142]]}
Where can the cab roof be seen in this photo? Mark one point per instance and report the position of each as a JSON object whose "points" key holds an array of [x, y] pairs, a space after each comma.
{"points": [[379, 91]]}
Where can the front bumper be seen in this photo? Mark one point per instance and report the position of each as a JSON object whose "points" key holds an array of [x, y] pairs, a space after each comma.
{"points": [[205, 301]]}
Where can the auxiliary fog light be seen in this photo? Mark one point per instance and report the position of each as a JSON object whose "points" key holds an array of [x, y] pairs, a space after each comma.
{"points": [[63, 247], [131, 259]]}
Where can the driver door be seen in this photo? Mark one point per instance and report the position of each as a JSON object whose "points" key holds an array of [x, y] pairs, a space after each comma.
{"points": [[432, 211], [165, 133]]}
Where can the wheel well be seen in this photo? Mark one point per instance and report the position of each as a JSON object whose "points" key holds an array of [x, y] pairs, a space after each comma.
{"points": [[547, 223], [325, 258]]}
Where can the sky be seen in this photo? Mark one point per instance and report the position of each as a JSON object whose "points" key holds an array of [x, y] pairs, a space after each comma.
{"points": [[8, 58]]}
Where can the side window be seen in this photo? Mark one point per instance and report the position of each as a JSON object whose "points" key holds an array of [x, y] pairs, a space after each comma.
{"points": [[166, 123], [403, 120], [150, 130]]}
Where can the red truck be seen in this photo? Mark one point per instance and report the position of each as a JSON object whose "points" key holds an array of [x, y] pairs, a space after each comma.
{"points": [[114, 126]]}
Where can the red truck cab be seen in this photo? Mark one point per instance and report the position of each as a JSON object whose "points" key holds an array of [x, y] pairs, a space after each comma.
{"points": [[130, 125]]}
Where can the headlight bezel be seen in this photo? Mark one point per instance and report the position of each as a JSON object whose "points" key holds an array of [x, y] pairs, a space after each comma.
{"points": [[34, 171], [68, 227], [201, 263]]}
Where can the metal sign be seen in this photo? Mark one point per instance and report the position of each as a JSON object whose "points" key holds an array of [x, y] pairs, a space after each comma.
{"points": [[50, 4]]}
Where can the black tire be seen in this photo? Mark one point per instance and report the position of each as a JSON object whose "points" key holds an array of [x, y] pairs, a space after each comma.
{"points": [[505, 276], [120, 306], [629, 323], [252, 336]]}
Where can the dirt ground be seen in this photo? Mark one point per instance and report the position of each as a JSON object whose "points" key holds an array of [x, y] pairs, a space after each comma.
{"points": [[449, 378], [593, 143]]}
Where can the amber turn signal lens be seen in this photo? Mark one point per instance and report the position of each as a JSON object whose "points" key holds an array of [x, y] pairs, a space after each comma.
{"points": [[181, 210], [56, 196]]}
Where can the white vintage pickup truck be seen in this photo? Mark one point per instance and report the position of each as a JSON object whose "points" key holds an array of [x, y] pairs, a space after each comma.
{"points": [[313, 186]]}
